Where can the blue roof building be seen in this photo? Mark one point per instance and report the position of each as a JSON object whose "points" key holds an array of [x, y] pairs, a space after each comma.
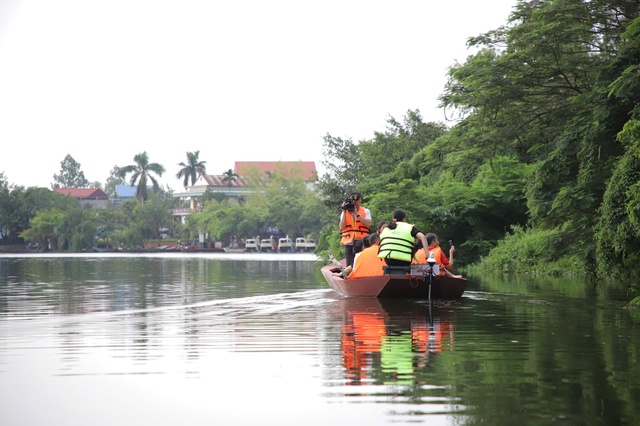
{"points": [[125, 192]]}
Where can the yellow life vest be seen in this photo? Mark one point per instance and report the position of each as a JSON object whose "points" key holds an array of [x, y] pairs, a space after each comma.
{"points": [[397, 243]]}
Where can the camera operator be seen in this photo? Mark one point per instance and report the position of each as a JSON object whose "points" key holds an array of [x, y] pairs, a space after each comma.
{"points": [[355, 221]]}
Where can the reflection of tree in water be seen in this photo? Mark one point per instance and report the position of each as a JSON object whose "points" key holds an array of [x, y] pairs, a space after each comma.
{"points": [[394, 346]]}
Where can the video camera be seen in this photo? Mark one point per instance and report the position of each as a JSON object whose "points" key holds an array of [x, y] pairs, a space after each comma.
{"points": [[348, 204]]}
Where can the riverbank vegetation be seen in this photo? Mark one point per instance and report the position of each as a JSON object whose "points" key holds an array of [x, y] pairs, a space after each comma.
{"points": [[541, 172]]}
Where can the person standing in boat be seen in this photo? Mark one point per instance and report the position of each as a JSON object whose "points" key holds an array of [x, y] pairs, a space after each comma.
{"points": [[396, 240], [355, 221]]}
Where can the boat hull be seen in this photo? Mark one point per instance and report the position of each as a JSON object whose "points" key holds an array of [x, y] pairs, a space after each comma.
{"points": [[203, 250], [396, 286]]}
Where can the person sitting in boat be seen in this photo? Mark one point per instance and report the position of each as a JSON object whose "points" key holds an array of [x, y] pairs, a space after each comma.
{"points": [[421, 255], [434, 246], [355, 221], [396, 240], [381, 225], [367, 263], [365, 244]]}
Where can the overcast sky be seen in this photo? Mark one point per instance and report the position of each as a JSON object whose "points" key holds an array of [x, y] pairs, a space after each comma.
{"points": [[249, 80]]}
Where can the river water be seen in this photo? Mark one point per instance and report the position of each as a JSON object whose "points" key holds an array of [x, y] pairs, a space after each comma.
{"points": [[252, 339]]}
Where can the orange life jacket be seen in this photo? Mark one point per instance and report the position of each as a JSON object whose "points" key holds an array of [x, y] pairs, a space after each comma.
{"points": [[368, 264], [355, 229], [437, 253], [421, 257]]}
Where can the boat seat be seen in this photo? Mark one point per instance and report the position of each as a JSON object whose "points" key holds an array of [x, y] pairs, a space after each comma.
{"points": [[396, 270]]}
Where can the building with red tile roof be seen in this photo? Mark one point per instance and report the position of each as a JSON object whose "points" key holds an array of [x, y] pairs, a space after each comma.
{"points": [[86, 197]]}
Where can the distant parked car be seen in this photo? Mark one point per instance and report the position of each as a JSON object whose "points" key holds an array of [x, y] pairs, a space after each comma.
{"points": [[266, 245], [285, 244], [303, 244], [251, 245]]}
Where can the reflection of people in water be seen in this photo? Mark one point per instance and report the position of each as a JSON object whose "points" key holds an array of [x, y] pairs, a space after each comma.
{"points": [[401, 347], [361, 335]]}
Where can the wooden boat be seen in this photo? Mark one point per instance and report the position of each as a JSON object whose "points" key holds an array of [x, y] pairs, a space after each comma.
{"points": [[196, 249], [396, 284]]}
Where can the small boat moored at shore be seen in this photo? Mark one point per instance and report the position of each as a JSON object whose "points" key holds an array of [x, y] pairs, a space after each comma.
{"points": [[196, 249]]}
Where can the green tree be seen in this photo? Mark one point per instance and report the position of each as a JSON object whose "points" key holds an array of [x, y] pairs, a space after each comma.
{"points": [[219, 219], [539, 91], [152, 216], [344, 170], [43, 226], [229, 177], [77, 229], [191, 169], [5, 192], [70, 175], [141, 173], [136, 222], [398, 144], [18, 205], [282, 201], [290, 205], [71, 228], [618, 227], [115, 178]]}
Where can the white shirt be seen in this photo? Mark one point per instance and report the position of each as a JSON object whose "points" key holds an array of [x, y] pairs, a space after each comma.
{"points": [[367, 214]]}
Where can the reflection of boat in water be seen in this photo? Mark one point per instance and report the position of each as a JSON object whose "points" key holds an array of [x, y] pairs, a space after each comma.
{"points": [[391, 339], [396, 285]]}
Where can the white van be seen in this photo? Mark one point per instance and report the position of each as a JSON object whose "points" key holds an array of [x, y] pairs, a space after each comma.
{"points": [[265, 245], [303, 244], [285, 244], [251, 245]]}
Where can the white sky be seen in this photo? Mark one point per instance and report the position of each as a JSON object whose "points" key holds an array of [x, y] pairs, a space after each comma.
{"points": [[252, 80]]}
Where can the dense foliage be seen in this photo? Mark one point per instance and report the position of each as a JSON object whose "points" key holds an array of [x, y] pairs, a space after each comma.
{"points": [[541, 171]]}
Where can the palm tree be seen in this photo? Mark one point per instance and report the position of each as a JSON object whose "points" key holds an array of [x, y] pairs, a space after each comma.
{"points": [[229, 177], [192, 169], [142, 173]]}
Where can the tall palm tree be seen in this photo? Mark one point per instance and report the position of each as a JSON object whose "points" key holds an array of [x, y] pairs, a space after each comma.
{"points": [[141, 174], [230, 176], [191, 169]]}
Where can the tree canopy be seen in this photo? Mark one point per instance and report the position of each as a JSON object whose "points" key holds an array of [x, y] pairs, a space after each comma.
{"points": [[71, 176], [191, 169], [141, 173]]}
